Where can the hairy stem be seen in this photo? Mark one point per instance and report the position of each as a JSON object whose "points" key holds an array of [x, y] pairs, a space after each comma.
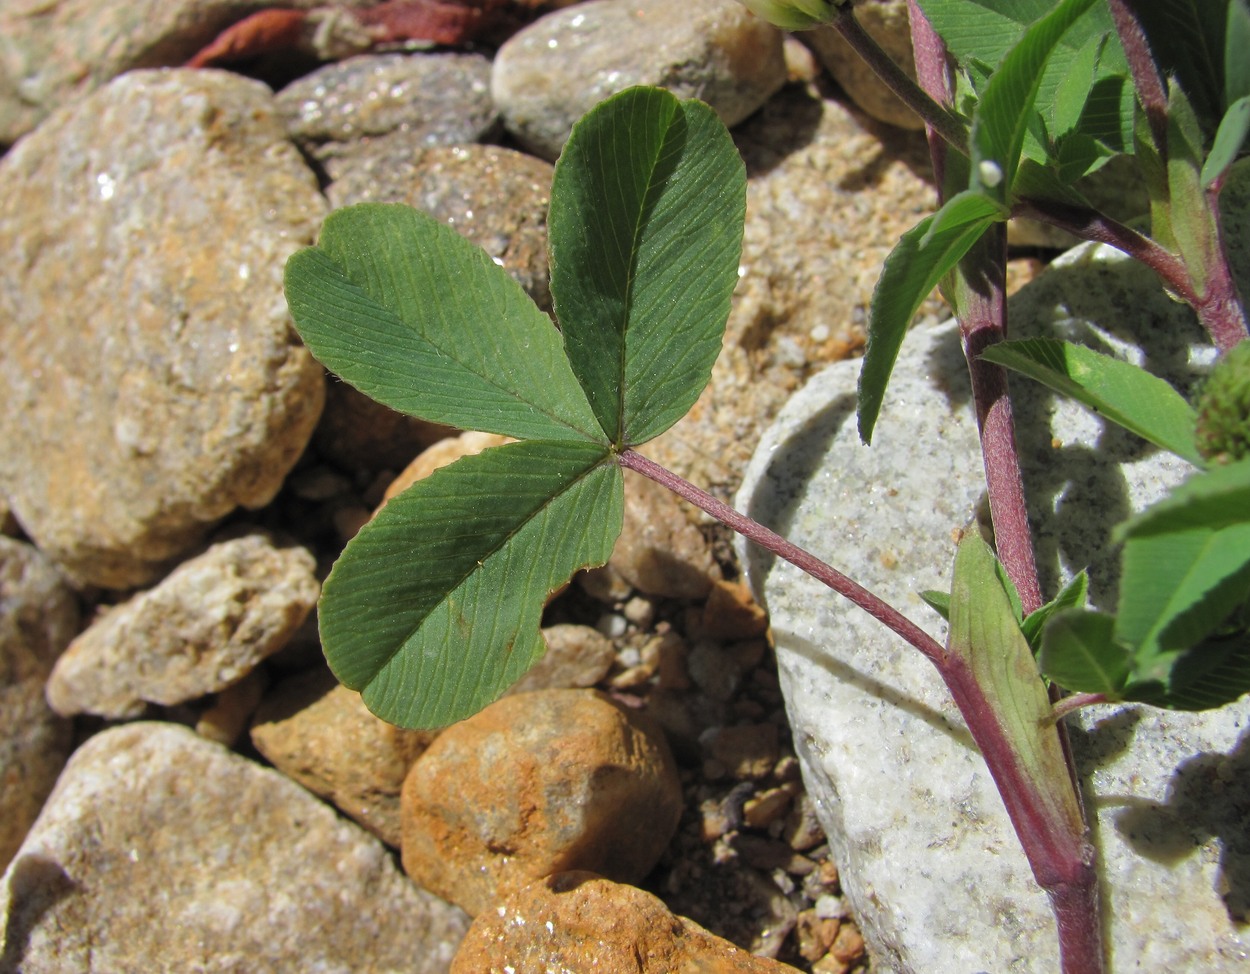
{"points": [[1150, 89], [800, 558], [933, 73], [982, 323], [936, 117]]}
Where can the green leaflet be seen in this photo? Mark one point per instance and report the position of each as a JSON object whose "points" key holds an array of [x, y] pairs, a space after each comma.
{"points": [[418, 318], [434, 608], [647, 209], [985, 633], [1125, 394]]}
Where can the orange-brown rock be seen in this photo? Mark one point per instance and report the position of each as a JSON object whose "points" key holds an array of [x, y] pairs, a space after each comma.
{"points": [[577, 921], [535, 784]]}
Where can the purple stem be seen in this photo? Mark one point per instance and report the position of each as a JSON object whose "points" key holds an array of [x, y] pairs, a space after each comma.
{"points": [[982, 323], [799, 557], [1150, 90]]}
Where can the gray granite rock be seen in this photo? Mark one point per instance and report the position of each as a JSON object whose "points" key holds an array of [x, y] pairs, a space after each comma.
{"points": [[552, 72], [927, 856], [203, 628], [38, 617], [52, 53], [258, 875], [389, 103], [151, 381]]}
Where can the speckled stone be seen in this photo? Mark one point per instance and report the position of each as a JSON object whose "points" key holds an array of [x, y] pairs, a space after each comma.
{"points": [[927, 856], [202, 629], [52, 53], [495, 197], [829, 194], [534, 784], [379, 103], [258, 875], [321, 734], [577, 921], [552, 72], [151, 381], [38, 617]]}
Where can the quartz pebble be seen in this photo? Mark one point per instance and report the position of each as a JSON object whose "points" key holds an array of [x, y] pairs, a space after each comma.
{"points": [[555, 70], [200, 630], [151, 382], [577, 921], [160, 851], [536, 783]]}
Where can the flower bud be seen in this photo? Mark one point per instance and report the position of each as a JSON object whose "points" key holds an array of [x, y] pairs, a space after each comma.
{"points": [[794, 14], [1223, 432]]}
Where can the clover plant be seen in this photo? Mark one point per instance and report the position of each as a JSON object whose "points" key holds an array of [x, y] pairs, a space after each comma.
{"points": [[434, 608]]}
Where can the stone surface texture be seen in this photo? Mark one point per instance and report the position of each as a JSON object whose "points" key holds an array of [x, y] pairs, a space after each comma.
{"points": [[538, 783], [390, 105], [52, 53], [38, 617], [321, 734], [886, 21], [552, 72], [577, 921], [203, 628], [151, 381], [660, 551], [258, 875], [928, 858]]}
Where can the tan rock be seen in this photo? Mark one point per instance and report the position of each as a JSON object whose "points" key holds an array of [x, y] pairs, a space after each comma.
{"points": [[534, 784], [161, 851], [151, 382], [886, 22], [577, 656], [660, 551], [203, 628], [321, 734], [577, 921], [731, 612]]}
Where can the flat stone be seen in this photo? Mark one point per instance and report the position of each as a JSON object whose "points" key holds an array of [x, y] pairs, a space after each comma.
{"points": [[928, 858], [577, 921], [363, 104], [535, 784], [151, 381], [54, 53], [38, 617], [321, 734], [258, 875], [555, 70], [202, 629]]}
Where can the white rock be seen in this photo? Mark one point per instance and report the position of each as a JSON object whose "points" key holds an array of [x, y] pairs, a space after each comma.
{"points": [[927, 856]]}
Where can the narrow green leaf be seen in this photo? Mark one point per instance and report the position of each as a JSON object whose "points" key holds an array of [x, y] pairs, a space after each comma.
{"points": [[647, 211], [1191, 224], [1125, 394], [962, 210], [911, 272], [985, 634], [1079, 652], [1229, 138], [1236, 44], [939, 602], [1178, 587], [434, 608], [1005, 110], [1072, 596], [416, 317]]}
